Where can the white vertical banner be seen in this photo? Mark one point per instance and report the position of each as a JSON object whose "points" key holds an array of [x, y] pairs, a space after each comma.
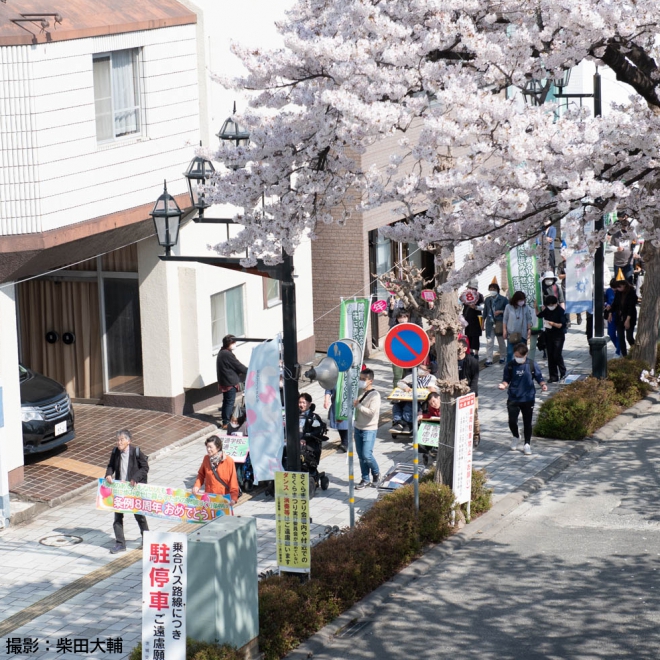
{"points": [[579, 290], [263, 409], [164, 579], [463, 435]]}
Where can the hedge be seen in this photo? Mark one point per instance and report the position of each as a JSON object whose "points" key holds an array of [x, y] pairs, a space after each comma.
{"points": [[349, 566], [581, 408]]}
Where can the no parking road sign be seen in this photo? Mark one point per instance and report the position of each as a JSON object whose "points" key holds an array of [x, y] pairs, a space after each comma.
{"points": [[407, 345]]}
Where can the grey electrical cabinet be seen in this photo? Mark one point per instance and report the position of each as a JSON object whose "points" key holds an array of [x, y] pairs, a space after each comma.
{"points": [[222, 599]]}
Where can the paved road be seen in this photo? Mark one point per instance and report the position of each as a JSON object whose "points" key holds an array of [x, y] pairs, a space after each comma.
{"points": [[574, 572]]}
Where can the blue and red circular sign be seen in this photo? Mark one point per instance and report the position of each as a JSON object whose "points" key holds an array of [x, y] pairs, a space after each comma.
{"points": [[407, 345]]}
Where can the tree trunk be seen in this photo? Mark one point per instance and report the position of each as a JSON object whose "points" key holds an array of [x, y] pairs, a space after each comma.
{"points": [[646, 338], [447, 326]]}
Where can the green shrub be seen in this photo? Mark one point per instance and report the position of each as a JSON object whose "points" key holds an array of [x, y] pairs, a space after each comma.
{"points": [[199, 651], [577, 410], [625, 373], [481, 497]]}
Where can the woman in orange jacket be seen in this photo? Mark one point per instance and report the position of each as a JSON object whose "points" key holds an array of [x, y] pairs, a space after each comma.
{"points": [[217, 473]]}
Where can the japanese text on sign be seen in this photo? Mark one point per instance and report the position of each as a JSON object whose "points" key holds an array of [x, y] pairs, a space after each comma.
{"points": [[292, 521], [465, 409], [164, 578]]}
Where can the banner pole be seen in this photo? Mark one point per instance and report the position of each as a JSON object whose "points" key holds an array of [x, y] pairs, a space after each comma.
{"points": [[415, 445], [351, 476]]}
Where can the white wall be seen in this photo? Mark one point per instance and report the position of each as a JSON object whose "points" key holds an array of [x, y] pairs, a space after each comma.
{"points": [[54, 171], [11, 436]]}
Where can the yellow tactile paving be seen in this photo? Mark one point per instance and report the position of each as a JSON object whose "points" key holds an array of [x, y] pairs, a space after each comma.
{"points": [[72, 465]]}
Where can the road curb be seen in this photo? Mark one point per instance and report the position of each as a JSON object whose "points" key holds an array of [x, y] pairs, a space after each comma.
{"points": [[39, 507], [490, 521]]}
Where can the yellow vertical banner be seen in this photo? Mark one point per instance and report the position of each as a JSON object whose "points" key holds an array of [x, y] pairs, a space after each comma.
{"points": [[292, 521]]}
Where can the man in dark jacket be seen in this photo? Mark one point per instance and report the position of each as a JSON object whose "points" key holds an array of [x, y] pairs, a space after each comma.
{"points": [[127, 463], [231, 373], [468, 370], [519, 376]]}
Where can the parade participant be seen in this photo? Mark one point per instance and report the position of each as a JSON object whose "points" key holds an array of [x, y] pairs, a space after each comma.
{"points": [[430, 408], [494, 307], [517, 322], [217, 472], [402, 415], [519, 376], [550, 287], [127, 463], [468, 370], [554, 327], [472, 308], [367, 412], [231, 373], [610, 292], [624, 310]]}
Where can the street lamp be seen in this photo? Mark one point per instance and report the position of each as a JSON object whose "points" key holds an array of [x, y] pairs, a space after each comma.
{"points": [[197, 175], [231, 131], [166, 215]]}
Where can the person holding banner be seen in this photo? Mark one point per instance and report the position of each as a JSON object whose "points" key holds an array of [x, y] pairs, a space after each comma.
{"points": [[127, 463], [217, 472], [517, 323]]}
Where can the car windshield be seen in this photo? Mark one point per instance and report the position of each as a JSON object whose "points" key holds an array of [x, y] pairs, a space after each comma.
{"points": [[23, 373]]}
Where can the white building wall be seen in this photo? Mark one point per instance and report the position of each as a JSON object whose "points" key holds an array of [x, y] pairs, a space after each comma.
{"points": [[48, 130]]}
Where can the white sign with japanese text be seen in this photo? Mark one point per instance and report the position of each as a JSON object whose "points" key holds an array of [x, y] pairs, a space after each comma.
{"points": [[465, 409], [164, 578]]}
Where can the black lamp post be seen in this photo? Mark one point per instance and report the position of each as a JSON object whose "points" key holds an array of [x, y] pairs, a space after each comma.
{"points": [[166, 215], [198, 172], [197, 175]]}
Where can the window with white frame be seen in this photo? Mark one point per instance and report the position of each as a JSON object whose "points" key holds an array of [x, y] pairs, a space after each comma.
{"points": [[272, 292], [117, 94], [227, 314]]}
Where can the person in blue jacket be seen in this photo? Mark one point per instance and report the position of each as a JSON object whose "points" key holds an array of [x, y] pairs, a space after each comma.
{"points": [[519, 376]]}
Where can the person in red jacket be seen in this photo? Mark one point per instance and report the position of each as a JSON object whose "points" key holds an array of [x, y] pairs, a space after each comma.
{"points": [[218, 472]]}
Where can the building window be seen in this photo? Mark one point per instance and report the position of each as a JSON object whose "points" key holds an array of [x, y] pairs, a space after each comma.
{"points": [[117, 94], [227, 315], [272, 292], [383, 262]]}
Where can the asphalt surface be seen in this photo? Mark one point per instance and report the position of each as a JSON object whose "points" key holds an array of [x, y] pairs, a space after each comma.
{"points": [[572, 572]]}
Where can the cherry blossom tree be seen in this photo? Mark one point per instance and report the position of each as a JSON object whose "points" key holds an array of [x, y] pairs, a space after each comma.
{"points": [[440, 81]]}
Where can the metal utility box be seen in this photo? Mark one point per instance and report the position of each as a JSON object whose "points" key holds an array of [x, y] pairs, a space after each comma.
{"points": [[223, 601]]}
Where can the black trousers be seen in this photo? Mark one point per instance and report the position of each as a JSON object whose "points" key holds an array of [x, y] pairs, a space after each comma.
{"points": [[119, 526], [527, 409], [475, 342], [343, 437], [554, 348], [622, 334]]}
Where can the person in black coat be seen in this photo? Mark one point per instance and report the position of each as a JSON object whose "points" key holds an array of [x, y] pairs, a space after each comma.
{"points": [[554, 326], [127, 463], [473, 303], [231, 373], [468, 370], [624, 312]]}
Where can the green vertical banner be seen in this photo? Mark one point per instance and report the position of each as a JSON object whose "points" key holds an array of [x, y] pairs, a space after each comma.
{"points": [[522, 275], [353, 324]]}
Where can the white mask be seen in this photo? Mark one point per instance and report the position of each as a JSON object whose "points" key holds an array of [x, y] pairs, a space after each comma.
{"points": [[519, 360], [521, 303], [492, 293], [552, 308], [548, 282], [362, 384]]}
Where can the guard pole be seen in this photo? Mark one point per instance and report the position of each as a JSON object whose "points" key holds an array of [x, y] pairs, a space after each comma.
{"points": [[351, 475], [414, 439]]}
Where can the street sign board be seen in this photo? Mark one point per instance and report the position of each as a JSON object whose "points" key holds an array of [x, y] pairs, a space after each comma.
{"points": [[428, 295], [463, 438], [342, 354], [379, 306], [407, 345]]}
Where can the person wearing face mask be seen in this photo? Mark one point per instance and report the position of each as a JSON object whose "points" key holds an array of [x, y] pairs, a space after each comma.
{"points": [[519, 376], [554, 326], [517, 323], [472, 309], [367, 411], [468, 370], [494, 314], [551, 287]]}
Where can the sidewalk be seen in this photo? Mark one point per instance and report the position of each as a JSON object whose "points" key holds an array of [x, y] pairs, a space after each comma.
{"points": [[81, 591]]}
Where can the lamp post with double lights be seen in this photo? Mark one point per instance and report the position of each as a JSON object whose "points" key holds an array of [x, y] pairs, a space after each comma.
{"points": [[197, 176], [535, 93]]}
